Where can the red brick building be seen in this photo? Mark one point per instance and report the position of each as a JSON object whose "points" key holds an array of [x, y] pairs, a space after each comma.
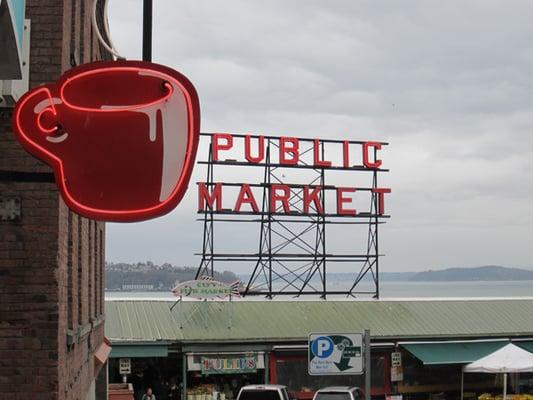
{"points": [[51, 260]]}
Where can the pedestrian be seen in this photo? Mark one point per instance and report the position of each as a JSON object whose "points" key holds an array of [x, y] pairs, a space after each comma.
{"points": [[174, 391], [148, 395]]}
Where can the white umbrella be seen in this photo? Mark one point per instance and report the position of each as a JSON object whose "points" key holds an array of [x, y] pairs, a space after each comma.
{"points": [[509, 358]]}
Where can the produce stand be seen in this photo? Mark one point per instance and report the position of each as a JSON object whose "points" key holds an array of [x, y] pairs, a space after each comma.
{"points": [[508, 359]]}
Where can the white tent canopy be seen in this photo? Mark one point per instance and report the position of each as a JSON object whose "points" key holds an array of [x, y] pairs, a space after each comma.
{"points": [[509, 358]]}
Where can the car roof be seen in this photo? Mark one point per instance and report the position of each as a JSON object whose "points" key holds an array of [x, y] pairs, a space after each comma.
{"points": [[339, 389], [256, 387]]}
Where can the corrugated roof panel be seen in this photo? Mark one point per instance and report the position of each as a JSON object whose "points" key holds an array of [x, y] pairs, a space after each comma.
{"points": [[294, 320], [140, 321]]}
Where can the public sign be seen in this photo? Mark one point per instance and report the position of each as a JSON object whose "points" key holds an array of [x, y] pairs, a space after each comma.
{"points": [[335, 354], [251, 150], [230, 365], [283, 184], [120, 136], [124, 366], [206, 288]]}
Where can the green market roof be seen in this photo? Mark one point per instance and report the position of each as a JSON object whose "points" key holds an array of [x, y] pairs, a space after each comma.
{"points": [[145, 321]]}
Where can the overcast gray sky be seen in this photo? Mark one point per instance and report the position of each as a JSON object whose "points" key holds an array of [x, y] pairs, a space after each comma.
{"points": [[448, 84]]}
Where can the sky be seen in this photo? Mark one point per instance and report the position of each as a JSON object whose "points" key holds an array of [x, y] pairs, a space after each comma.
{"points": [[448, 84]]}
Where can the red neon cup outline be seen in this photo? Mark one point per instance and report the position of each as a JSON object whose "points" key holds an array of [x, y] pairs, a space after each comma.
{"points": [[52, 110], [132, 215], [118, 109]]}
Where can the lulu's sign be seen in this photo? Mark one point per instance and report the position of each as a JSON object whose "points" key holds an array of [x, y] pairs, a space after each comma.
{"points": [[120, 136], [291, 152], [231, 365]]}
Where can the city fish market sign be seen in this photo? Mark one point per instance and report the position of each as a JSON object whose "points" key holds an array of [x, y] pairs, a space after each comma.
{"points": [[206, 288]]}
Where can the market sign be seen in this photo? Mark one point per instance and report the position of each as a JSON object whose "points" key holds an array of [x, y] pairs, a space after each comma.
{"points": [[291, 152], [120, 136], [335, 354], [207, 288], [228, 365], [291, 188]]}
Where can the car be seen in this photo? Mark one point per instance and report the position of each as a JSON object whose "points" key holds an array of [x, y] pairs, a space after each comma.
{"points": [[339, 393], [263, 392]]}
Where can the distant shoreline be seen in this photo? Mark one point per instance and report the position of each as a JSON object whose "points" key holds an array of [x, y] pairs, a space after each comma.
{"points": [[489, 273], [405, 284], [388, 290], [149, 277]]}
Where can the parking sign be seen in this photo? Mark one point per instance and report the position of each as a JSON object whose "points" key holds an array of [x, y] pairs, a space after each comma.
{"points": [[335, 354]]}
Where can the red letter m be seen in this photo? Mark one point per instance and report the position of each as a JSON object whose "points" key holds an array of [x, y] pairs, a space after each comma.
{"points": [[210, 198]]}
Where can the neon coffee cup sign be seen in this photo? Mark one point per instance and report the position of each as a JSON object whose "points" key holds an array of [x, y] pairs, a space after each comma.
{"points": [[120, 136]]}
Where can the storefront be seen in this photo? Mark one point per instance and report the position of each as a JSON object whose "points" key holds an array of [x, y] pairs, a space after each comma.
{"points": [[149, 366], [212, 349], [223, 374], [435, 368]]}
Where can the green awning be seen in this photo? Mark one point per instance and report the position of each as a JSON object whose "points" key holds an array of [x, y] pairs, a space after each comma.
{"points": [[138, 351], [452, 353], [525, 345]]}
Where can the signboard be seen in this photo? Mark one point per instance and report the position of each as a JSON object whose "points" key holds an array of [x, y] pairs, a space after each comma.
{"points": [[120, 136], [213, 196], [396, 367], [292, 188], [335, 354], [228, 365], [124, 366], [206, 288], [11, 38]]}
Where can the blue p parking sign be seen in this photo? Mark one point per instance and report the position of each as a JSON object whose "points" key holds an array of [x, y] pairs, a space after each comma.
{"points": [[336, 354], [322, 347]]}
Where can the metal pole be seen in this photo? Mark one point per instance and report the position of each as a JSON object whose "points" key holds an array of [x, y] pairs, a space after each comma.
{"points": [[147, 30], [376, 226], [367, 364], [184, 377], [505, 386], [462, 383], [267, 367], [323, 233]]}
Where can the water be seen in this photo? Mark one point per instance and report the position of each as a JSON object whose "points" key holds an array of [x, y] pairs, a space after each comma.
{"points": [[398, 290]]}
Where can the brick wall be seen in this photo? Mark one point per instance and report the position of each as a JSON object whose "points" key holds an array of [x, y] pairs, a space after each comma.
{"points": [[51, 260]]}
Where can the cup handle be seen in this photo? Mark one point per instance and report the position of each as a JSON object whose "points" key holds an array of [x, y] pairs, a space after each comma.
{"points": [[36, 118]]}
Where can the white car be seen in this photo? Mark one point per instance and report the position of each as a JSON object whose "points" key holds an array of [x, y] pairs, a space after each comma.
{"points": [[263, 392], [339, 393]]}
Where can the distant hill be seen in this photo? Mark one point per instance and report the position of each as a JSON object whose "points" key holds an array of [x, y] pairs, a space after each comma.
{"points": [[149, 276], [468, 274], [485, 273]]}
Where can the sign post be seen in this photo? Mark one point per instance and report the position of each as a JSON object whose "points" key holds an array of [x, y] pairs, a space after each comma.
{"points": [[396, 367], [147, 30], [335, 354], [124, 367], [368, 382]]}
